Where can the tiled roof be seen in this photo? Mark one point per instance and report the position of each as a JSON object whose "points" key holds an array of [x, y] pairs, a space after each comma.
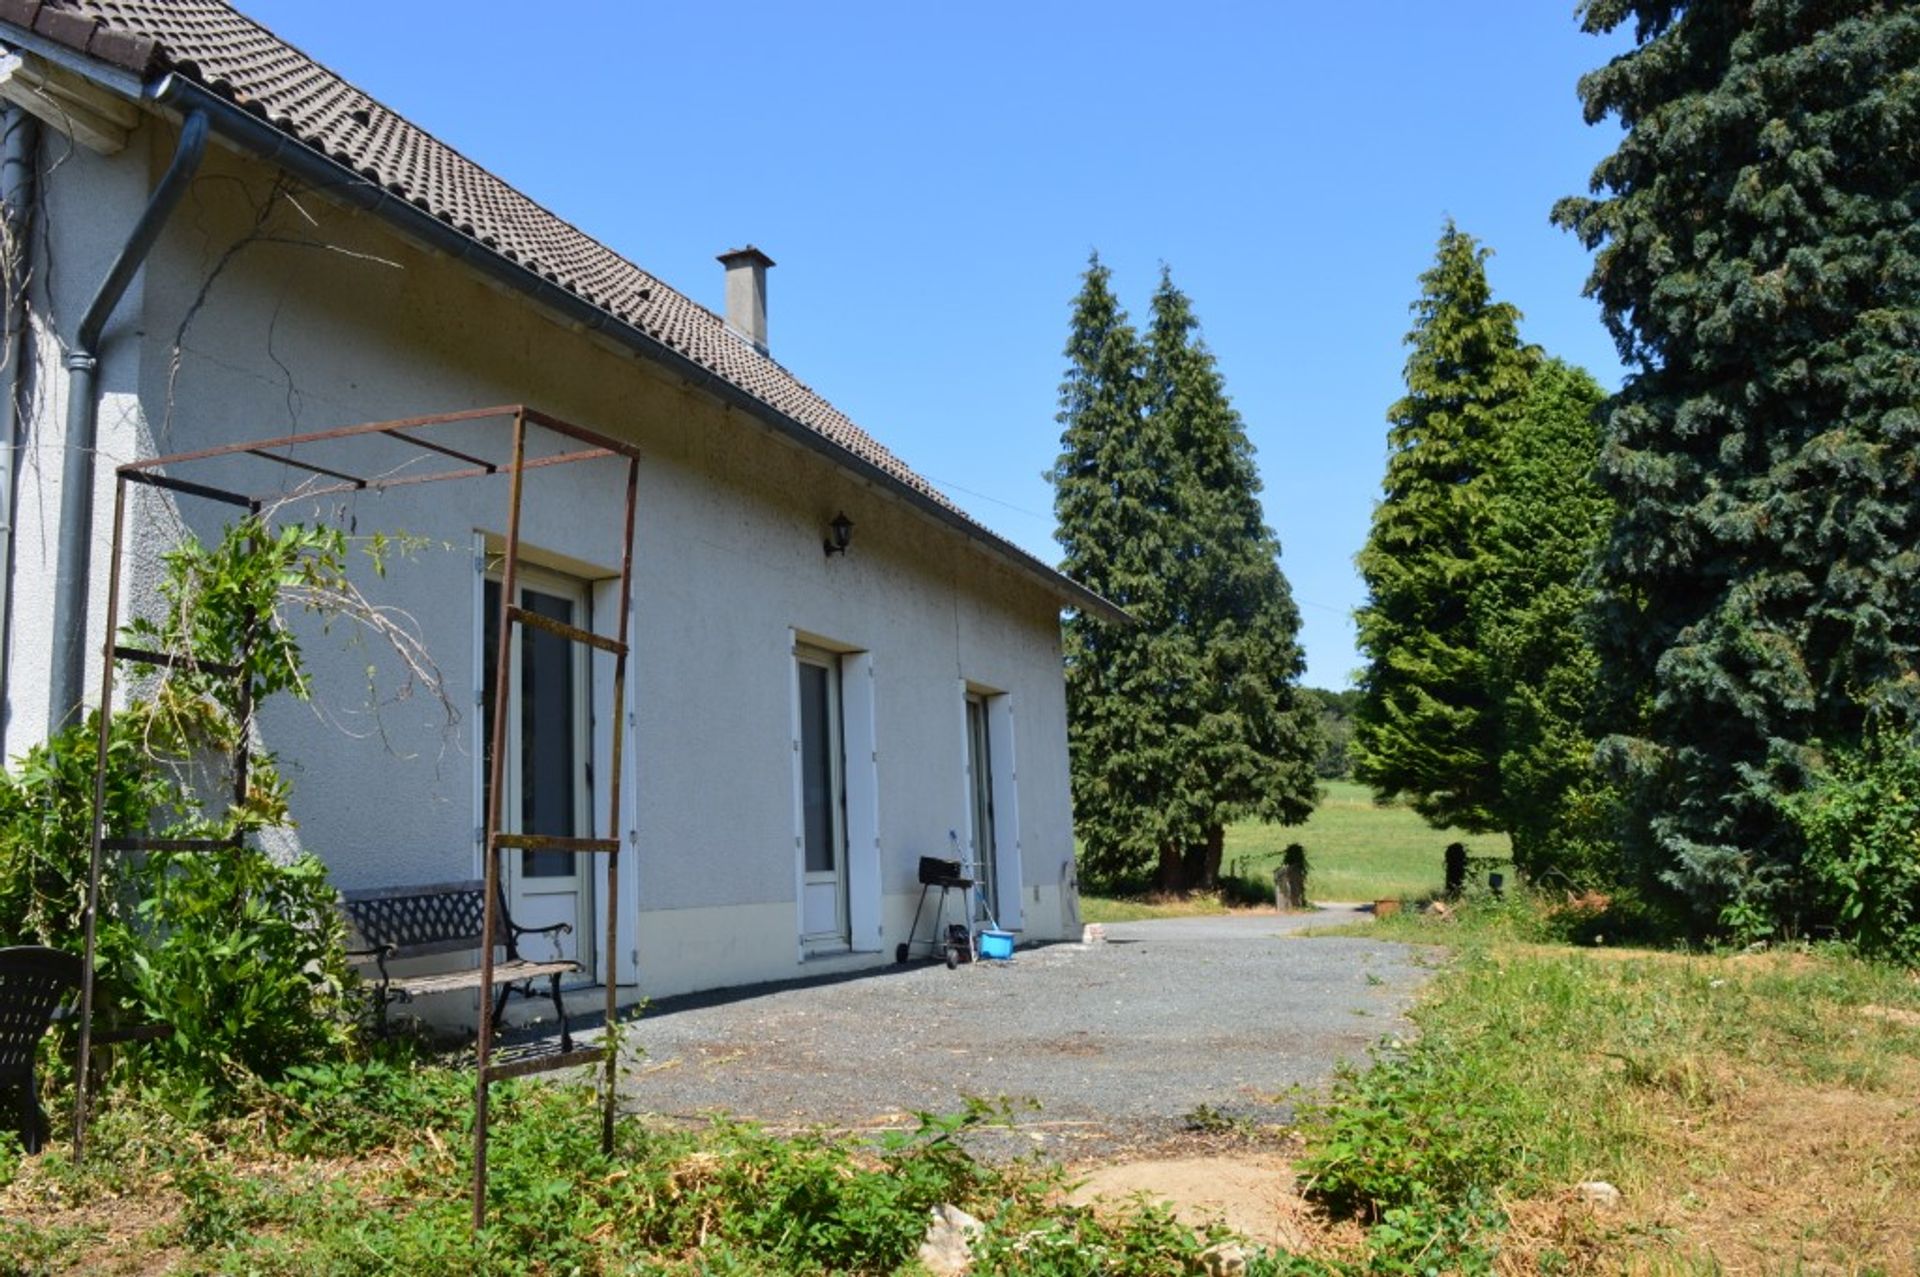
{"points": [[229, 54]]}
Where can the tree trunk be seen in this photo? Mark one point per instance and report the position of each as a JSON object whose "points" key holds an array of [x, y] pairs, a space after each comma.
{"points": [[1203, 860], [1172, 877]]}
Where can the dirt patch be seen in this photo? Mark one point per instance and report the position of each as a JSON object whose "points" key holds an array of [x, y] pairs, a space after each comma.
{"points": [[117, 1236], [1893, 1015], [1255, 1197], [1788, 961]]}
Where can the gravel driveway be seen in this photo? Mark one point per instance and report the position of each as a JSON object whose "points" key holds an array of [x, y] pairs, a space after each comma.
{"points": [[1117, 1042]]}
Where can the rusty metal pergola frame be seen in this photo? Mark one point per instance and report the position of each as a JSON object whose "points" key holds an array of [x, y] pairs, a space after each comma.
{"points": [[157, 472]]}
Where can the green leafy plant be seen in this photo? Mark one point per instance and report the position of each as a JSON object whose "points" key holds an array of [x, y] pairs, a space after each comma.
{"points": [[238, 950], [1861, 821], [1401, 1135], [243, 956]]}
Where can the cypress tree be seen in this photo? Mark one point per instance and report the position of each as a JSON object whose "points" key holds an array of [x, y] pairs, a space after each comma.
{"points": [[1426, 728], [1546, 517], [1250, 739], [1758, 237], [1114, 528], [1188, 720]]}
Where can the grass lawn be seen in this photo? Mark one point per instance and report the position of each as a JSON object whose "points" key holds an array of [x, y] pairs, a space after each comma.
{"points": [[1755, 1111], [1357, 850], [1109, 909]]}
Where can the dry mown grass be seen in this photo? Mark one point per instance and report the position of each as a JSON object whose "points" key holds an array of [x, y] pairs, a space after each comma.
{"points": [[1760, 1113]]}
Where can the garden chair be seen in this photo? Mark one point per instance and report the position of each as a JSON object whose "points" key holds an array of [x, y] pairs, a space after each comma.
{"points": [[33, 983]]}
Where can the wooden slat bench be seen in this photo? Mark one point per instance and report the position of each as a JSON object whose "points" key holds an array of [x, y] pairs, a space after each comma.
{"points": [[397, 923]]}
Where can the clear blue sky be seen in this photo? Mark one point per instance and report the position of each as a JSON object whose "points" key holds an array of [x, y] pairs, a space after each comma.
{"points": [[931, 179]]}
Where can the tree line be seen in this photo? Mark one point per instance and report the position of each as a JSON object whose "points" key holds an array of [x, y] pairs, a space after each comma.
{"points": [[1666, 638]]}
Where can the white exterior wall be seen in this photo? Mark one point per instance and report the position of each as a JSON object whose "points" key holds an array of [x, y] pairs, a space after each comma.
{"points": [[82, 220], [349, 323]]}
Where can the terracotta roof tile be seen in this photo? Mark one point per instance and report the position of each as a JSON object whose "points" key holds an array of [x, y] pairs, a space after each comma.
{"points": [[230, 54]]}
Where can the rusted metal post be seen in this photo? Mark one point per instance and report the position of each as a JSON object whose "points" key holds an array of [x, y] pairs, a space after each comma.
{"points": [[243, 703], [617, 740], [496, 801], [98, 832]]}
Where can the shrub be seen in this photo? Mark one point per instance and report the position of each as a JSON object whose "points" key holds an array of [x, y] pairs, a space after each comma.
{"points": [[1860, 818], [241, 953], [46, 811], [244, 956], [1407, 1133], [1251, 889]]}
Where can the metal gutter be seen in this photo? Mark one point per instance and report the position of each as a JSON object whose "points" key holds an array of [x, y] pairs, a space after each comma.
{"points": [[75, 562], [107, 76], [19, 152], [255, 135]]}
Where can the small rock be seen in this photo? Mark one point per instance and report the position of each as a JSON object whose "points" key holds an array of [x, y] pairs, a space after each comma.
{"points": [[1598, 1194], [1438, 909], [947, 1250], [1093, 933], [1224, 1260]]}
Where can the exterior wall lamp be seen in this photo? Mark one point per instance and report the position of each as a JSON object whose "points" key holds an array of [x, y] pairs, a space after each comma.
{"points": [[841, 532]]}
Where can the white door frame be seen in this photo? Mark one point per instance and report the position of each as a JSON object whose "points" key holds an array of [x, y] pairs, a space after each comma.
{"points": [[626, 965], [807, 655]]}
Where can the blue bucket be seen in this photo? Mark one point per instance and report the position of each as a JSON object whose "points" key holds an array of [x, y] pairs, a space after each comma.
{"points": [[997, 945]]}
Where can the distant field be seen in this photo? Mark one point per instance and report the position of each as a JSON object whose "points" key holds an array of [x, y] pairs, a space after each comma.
{"points": [[1357, 851]]}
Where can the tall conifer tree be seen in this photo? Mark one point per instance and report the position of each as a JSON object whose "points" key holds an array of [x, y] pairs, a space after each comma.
{"points": [[1251, 740], [1546, 518], [1758, 237], [1188, 720], [1111, 506], [1426, 729]]}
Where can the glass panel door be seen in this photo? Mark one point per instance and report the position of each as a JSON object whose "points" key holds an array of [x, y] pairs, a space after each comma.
{"points": [[980, 773], [546, 774], [823, 837]]}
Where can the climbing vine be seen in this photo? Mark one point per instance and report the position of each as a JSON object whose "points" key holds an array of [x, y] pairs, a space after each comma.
{"points": [[239, 950]]}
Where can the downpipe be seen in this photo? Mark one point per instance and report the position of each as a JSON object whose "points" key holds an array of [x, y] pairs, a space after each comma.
{"points": [[75, 562], [19, 150]]}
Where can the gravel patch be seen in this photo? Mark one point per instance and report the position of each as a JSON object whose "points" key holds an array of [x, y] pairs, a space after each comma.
{"points": [[1117, 1042]]}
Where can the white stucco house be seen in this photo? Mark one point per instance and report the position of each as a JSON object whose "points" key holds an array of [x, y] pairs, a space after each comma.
{"points": [[804, 725]]}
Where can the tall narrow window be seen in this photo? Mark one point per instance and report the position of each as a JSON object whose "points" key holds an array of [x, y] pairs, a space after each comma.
{"points": [[823, 799]]}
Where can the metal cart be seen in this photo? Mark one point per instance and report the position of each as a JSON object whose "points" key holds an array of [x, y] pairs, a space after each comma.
{"points": [[953, 939]]}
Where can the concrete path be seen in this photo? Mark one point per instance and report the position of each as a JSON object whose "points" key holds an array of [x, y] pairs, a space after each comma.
{"points": [[1119, 1042]]}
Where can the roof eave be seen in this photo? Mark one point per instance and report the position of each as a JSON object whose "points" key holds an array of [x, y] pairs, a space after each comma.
{"points": [[255, 135]]}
